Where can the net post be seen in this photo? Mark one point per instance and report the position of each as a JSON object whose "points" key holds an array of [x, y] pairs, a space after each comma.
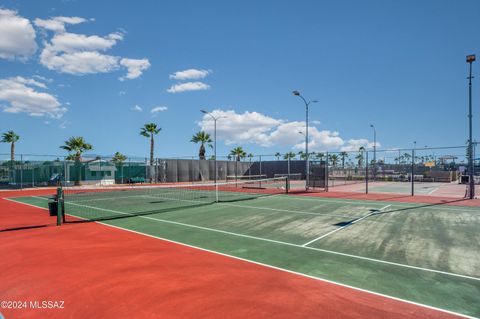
{"points": [[366, 173], [59, 200], [326, 173], [413, 172], [21, 171], [287, 184]]}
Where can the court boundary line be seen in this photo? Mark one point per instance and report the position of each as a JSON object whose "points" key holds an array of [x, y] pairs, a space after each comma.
{"points": [[270, 266], [283, 243], [393, 203], [345, 226]]}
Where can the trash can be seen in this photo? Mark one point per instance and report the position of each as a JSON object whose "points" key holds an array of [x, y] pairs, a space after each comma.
{"points": [[53, 208]]}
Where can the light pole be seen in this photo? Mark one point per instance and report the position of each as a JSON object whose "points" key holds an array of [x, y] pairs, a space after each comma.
{"points": [[374, 152], [214, 141], [471, 182], [307, 168]]}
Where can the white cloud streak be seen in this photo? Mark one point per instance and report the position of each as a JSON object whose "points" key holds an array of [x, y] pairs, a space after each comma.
{"points": [[260, 129], [190, 74], [158, 109], [188, 86], [21, 95], [135, 68], [81, 54], [17, 36], [137, 108]]}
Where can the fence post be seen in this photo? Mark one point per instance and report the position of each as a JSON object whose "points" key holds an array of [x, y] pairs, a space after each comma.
{"points": [[366, 172], [260, 164], [21, 171], [326, 173], [413, 172]]}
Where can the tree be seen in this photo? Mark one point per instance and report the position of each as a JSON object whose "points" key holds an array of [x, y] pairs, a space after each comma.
{"points": [[78, 146], [277, 155], [250, 156], [320, 156], [238, 153], [202, 138], [118, 160], [11, 137], [334, 158], [302, 155], [359, 157], [343, 155], [149, 130], [289, 156]]}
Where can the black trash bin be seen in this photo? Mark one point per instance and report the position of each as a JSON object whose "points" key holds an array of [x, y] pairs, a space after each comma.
{"points": [[53, 208]]}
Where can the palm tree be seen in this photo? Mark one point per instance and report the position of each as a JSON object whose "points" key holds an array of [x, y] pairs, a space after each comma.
{"points": [[277, 155], [343, 155], [202, 138], [77, 145], [149, 130], [250, 156], [10, 137], [238, 153], [289, 156], [302, 155], [334, 158], [118, 160], [359, 157], [320, 156]]}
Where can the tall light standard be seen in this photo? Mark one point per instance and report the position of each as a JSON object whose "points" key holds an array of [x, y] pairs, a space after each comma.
{"points": [[471, 182], [374, 152], [307, 165], [215, 119]]}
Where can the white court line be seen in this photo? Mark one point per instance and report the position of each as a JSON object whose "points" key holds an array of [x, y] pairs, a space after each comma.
{"points": [[338, 229], [280, 242], [272, 267], [401, 204]]}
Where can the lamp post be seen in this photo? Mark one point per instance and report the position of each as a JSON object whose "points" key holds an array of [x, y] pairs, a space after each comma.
{"points": [[214, 140], [374, 152], [307, 168], [471, 182]]}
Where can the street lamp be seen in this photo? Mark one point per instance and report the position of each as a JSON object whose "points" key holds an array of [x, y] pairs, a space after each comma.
{"points": [[214, 140], [307, 168], [471, 182], [374, 152]]}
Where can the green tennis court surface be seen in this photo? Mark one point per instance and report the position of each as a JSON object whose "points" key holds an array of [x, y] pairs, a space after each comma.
{"points": [[427, 254]]}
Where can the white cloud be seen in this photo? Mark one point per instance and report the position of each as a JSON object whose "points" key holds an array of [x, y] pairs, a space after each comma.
{"points": [[190, 74], [260, 129], [79, 63], [188, 86], [57, 24], [81, 54], [17, 36], [137, 108], [158, 109], [22, 96], [135, 67], [355, 144]]}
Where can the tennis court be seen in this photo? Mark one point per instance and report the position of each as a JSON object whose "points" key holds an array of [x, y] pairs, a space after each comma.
{"points": [[422, 253]]}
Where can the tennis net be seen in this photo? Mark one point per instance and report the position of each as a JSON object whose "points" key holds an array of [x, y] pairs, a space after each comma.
{"points": [[112, 202]]}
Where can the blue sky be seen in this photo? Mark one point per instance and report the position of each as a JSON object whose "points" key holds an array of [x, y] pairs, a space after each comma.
{"points": [[81, 68]]}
